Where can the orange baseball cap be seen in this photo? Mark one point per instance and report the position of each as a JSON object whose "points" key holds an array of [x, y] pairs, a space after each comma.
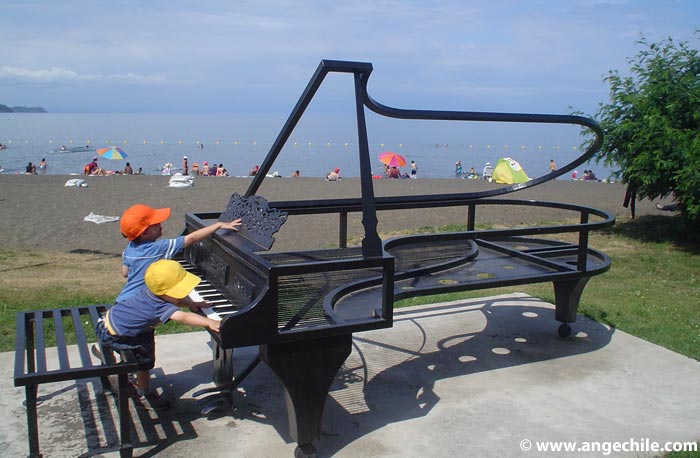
{"points": [[136, 219]]}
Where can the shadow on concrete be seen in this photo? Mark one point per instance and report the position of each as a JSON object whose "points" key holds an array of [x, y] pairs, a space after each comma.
{"points": [[449, 342], [391, 374], [155, 429]]}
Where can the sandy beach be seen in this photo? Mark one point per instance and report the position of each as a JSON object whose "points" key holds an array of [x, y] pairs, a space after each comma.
{"points": [[40, 213]]}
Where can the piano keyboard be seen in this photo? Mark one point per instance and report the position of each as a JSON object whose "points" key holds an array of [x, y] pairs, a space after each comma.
{"points": [[205, 291]]}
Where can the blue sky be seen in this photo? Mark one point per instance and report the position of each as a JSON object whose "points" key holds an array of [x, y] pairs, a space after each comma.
{"points": [[256, 56]]}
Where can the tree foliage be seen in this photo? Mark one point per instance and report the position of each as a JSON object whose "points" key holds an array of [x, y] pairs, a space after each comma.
{"points": [[652, 124]]}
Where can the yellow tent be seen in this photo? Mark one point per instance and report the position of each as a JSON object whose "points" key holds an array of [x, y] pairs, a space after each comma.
{"points": [[508, 171]]}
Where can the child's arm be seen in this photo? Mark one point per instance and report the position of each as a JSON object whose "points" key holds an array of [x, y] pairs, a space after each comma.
{"points": [[193, 319], [187, 302], [125, 271], [205, 232]]}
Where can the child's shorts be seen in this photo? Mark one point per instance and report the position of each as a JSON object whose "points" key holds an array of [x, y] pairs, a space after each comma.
{"points": [[143, 345]]}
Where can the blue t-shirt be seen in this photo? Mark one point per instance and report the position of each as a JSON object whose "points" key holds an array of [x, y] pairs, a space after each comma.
{"points": [[140, 313], [138, 256]]}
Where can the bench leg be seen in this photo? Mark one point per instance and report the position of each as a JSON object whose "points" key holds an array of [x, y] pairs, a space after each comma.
{"points": [[125, 447], [32, 423], [307, 369], [567, 295]]}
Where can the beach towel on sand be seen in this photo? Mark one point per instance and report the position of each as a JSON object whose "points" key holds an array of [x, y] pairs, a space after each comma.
{"points": [[99, 219], [77, 182], [181, 181]]}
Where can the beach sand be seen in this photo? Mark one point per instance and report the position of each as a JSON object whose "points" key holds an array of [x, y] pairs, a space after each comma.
{"points": [[40, 213]]}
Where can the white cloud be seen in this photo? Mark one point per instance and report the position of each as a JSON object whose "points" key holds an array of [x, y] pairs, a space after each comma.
{"points": [[59, 74]]}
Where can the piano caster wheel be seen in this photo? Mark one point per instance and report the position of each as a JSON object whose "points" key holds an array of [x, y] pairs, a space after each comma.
{"points": [[305, 451], [564, 331]]}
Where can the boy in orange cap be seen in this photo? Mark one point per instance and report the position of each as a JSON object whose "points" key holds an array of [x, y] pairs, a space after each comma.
{"points": [[130, 323], [141, 225]]}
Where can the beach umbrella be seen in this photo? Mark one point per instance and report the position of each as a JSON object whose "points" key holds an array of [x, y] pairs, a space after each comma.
{"points": [[508, 171], [392, 159], [112, 153]]}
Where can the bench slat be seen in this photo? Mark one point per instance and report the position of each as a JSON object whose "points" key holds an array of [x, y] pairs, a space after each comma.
{"points": [[40, 342], [60, 332], [85, 358], [21, 351]]}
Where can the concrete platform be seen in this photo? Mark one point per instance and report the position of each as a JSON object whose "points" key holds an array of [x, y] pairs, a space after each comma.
{"points": [[478, 377]]}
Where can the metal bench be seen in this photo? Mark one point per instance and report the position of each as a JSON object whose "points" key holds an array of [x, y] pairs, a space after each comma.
{"points": [[33, 368]]}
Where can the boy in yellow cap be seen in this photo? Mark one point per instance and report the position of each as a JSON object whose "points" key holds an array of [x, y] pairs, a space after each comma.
{"points": [[141, 225], [130, 324]]}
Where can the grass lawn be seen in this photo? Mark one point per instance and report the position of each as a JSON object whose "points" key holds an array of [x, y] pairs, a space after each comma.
{"points": [[651, 291]]}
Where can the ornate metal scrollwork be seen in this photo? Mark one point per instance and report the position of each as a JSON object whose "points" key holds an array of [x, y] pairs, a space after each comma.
{"points": [[255, 213]]}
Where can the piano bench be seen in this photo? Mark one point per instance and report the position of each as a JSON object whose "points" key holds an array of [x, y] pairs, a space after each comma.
{"points": [[32, 367]]}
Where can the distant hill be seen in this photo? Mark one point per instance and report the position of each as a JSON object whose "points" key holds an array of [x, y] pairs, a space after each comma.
{"points": [[6, 109]]}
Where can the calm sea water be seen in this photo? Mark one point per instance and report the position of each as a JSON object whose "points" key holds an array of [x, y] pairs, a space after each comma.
{"points": [[318, 145]]}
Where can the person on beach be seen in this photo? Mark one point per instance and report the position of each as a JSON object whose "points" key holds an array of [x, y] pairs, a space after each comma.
{"points": [[205, 169], [141, 225], [130, 323], [213, 169], [185, 166], [195, 169], [394, 172], [254, 171], [30, 169], [90, 167], [128, 170], [672, 207], [414, 170], [458, 168], [296, 174], [487, 173], [42, 166], [334, 175], [552, 166]]}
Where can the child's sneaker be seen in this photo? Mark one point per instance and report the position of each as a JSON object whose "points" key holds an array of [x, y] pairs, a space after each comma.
{"points": [[131, 388], [155, 401]]}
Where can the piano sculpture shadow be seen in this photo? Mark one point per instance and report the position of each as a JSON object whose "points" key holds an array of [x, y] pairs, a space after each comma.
{"points": [[302, 307]]}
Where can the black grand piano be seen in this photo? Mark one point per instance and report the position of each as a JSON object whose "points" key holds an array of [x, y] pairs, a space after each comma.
{"points": [[302, 307]]}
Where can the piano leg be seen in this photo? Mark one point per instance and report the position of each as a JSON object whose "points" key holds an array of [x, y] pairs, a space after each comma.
{"points": [[307, 369], [567, 295], [220, 396]]}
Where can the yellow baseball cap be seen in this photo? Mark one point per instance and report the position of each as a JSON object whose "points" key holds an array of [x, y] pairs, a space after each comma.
{"points": [[167, 277]]}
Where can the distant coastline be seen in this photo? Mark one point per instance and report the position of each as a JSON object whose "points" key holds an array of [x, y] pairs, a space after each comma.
{"points": [[6, 109]]}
